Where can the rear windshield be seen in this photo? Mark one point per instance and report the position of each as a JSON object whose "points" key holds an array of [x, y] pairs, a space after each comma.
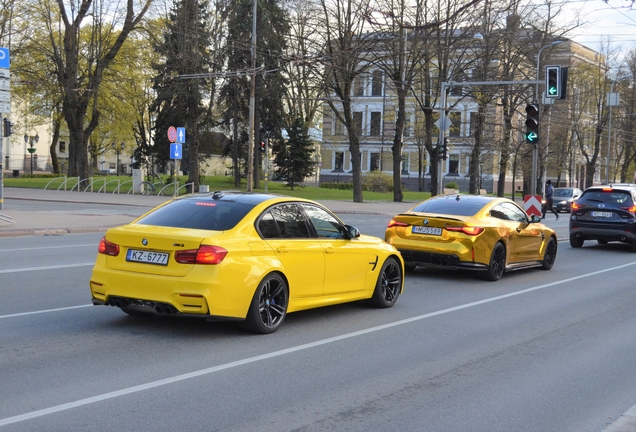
{"points": [[198, 214], [453, 205], [607, 197]]}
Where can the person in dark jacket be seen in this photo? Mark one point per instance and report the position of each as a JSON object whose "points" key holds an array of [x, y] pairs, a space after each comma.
{"points": [[549, 192]]}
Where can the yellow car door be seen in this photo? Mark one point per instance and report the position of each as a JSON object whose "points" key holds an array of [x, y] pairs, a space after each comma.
{"points": [[526, 238]]}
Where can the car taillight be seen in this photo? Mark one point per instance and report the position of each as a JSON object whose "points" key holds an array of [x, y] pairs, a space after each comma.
{"points": [[107, 248], [630, 209], [576, 206], [394, 223], [469, 230], [204, 255]]}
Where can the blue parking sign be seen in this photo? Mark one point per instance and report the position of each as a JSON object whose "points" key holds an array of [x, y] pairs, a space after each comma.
{"points": [[181, 135], [175, 151], [5, 61]]}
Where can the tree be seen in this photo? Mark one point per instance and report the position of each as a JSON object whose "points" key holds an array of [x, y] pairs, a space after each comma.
{"points": [[294, 158], [180, 83]]}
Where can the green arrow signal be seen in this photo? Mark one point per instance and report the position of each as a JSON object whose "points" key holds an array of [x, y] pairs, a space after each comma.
{"points": [[552, 90], [532, 137]]}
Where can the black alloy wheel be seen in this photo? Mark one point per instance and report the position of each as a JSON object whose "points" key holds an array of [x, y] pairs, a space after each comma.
{"points": [[497, 265], [387, 288], [269, 306], [576, 242], [549, 257]]}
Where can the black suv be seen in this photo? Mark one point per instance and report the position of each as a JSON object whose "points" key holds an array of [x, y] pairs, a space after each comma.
{"points": [[605, 214]]}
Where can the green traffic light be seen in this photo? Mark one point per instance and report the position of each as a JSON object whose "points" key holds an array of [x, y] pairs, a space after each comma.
{"points": [[532, 137], [552, 90]]}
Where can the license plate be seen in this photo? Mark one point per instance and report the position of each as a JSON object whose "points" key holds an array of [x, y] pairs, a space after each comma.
{"points": [[427, 230], [602, 214], [147, 257]]}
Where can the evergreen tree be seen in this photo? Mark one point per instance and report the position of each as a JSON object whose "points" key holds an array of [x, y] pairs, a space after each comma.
{"points": [[272, 27], [294, 158], [185, 51]]}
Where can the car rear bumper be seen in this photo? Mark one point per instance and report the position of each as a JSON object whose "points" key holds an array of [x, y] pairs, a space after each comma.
{"points": [[419, 258], [607, 234]]}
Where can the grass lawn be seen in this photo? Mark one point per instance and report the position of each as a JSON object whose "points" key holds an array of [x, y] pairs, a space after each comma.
{"points": [[110, 184]]}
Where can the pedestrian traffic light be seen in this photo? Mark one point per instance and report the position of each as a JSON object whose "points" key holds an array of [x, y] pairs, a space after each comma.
{"points": [[261, 146], [532, 123], [553, 82], [6, 127]]}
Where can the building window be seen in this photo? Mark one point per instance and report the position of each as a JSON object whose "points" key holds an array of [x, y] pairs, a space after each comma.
{"points": [[406, 162], [62, 146], [375, 162], [358, 86], [456, 123], [408, 131], [339, 161], [453, 164], [357, 122], [376, 123], [376, 83], [473, 124], [338, 127]]}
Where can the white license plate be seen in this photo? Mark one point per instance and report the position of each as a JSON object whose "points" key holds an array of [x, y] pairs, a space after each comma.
{"points": [[602, 214], [147, 257], [427, 230]]}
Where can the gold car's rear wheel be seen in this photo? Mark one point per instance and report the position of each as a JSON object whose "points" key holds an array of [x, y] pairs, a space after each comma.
{"points": [[269, 306], [549, 257], [497, 265]]}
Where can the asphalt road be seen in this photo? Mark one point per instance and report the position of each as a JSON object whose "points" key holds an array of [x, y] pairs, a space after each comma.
{"points": [[535, 351]]}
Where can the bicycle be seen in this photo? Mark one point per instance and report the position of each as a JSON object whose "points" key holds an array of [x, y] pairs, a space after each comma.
{"points": [[156, 186]]}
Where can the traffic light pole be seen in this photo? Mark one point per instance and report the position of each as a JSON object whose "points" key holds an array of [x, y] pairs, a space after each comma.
{"points": [[442, 129]]}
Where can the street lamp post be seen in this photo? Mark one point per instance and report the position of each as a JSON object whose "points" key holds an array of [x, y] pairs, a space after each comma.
{"points": [[31, 140], [535, 149], [118, 149], [612, 99]]}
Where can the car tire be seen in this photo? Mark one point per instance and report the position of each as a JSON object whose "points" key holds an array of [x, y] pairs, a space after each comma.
{"points": [[268, 308], [634, 247], [576, 242], [549, 257], [387, 288], [497, 265]]}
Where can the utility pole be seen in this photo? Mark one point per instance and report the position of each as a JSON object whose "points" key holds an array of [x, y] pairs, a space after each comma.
{"points": [[250, 148]]}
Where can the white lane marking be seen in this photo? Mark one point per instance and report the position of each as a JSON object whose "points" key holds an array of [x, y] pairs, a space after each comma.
{"points": [[211, 370], [51, 267], [49, 247], [44, 311]]}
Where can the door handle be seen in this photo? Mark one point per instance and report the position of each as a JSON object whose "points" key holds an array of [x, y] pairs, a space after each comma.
{"points": [[330, 250], [282, 249], [518, 230]]}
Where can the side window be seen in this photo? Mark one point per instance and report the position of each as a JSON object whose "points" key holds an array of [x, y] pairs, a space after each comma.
{"points": [[326, 225], [499, 212], [515, 213], [268, 227], [291, 221]]}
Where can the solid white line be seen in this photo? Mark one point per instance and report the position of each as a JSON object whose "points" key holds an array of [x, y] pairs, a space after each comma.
{"points": [[44, 311], [207, 371], [51, 267], [49, 247]]}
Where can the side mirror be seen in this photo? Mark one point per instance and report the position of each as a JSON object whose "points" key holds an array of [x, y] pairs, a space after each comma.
{"points": [[352, 231], [535, 219]]}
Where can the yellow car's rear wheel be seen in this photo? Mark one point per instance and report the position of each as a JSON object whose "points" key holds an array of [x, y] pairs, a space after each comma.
{"points": [[269, 305], [497, 265]]}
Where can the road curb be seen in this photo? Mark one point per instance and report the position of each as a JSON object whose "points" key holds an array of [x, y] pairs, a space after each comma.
{"points": [[49, 231], [625, 423]]}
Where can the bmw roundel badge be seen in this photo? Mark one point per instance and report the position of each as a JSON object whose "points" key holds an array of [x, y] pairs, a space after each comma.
{"points": [[144, 242]]}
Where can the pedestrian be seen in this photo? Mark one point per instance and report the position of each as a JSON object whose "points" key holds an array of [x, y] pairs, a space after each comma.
{"points": [[549, 191]]}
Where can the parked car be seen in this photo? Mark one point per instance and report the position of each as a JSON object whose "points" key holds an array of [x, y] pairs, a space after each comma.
{"points": [[605, 214], [242, 256], [487, 234], [108, 171], [563, 198]]}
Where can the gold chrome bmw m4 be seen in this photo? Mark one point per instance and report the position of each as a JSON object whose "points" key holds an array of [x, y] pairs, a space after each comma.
{"points": [[487, 234], [242, 256]]}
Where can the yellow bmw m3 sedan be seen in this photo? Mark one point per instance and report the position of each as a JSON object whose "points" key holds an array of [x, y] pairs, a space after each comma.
{"points": [[487, 234], [242, 256]]}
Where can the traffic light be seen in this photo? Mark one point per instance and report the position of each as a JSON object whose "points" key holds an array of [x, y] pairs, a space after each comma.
{"points": [[261, 146], [553, 82], [532, 123], [6, 127], [445, 149]]}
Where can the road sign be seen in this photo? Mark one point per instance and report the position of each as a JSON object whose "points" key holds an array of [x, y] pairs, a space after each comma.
{"points": [[181, 135], [5, 108], [172, 134], [5, 73], [532, 204], [443, 122], [175, 151], [5, 96], [4, 84], [5, 62]]}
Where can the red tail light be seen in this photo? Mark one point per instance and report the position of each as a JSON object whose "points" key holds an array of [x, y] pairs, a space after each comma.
{"points": [[107, 248], [394, 223], [630, 209], [468, 230], [204, 255], [576, 206]]}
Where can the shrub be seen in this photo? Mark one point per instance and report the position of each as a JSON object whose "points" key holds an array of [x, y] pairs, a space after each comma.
{"points": [[451, 185], [336, 185], [377, 181]]}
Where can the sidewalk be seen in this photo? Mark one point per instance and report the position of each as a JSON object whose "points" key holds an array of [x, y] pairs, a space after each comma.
{"points": [[46, 222]]}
